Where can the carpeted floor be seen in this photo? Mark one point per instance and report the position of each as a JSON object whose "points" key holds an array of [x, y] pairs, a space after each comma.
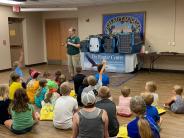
{"points": [[116, 79], [172, 126]]}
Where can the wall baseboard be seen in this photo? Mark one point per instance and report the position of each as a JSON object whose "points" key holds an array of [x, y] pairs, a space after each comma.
{"points": [[4, 70], [56, 62], [37, 64], [163, 70]]}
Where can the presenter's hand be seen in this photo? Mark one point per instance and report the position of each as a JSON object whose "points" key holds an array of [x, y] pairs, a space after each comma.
{"points": [[69, 43]]}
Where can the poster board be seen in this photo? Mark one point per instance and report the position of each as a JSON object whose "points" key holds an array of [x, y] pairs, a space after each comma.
{"points": [[124, 23]]}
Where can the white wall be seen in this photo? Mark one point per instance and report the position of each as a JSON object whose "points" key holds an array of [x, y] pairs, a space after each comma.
{"points": [[32, 35], [159, 20], [4, 35], [161, 28], [35, 47], [160, 25]]}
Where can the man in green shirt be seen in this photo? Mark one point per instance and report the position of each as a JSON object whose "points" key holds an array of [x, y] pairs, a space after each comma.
{"points": [[73, 51]]}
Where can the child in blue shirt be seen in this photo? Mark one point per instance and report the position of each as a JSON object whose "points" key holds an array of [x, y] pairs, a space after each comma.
{"points": [[142, 126], [105, 77], [151, 110], [18, 65], [40, 94]]}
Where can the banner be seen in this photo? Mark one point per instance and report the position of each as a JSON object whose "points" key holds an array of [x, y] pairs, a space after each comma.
{"points": [[124, 23], [115, 61]]}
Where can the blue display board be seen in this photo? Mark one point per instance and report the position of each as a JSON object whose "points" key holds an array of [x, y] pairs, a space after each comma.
{"points": [[116, 62], [124, 22]]}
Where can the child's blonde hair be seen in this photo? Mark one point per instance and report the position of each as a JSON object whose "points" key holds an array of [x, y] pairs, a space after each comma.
{"points": [[125, 91], [178, 89], [15, 64], [4, 90], [151, 86], [46, 74], [148, 98], [92, 80], [138, 106], [65, 88], [62, 78], [104, 92]]}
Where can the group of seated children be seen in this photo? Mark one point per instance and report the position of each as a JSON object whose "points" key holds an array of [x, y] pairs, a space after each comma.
{"points": [[97, 116]]}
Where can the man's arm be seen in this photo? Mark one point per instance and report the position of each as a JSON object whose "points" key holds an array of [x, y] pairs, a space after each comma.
{"points": [[75, 127], [106, 123], [76, 44]]}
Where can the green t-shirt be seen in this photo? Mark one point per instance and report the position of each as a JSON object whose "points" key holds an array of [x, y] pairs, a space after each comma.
{"points": [[23, 120], [71, 50]]}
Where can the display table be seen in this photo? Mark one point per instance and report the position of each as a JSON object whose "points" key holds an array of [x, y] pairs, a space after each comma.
{"points": [[121, 63], [154, 56]]}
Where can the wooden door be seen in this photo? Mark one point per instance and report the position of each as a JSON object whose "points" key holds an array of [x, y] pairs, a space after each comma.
{"points": [[53, 40], [56, 35], [65, 24]]}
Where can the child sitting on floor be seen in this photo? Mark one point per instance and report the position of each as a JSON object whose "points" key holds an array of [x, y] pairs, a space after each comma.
{"points": [[57, 75], [123, 108], [151, 87], [17, 65], [40, 94], [78, 79], [94, 84], [151, 110], [23, 114], [105, 78], [51, 96], [60, 80], [30, 77], [110, 107], [64, 108], [47, 75], [33, 85], [176, 102], [4, 103], [81, 88], [142, 126], [15, 84]]}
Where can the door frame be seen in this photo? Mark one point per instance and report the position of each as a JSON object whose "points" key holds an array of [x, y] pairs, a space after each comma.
{"points": [[23, 34], [44, 39]]}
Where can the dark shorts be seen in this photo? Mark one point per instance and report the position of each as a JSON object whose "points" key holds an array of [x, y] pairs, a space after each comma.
{"points": [[21, 131]]}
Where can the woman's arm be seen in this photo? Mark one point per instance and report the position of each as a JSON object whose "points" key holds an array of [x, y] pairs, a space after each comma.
{"points": [[106, 123], [75, 127]]}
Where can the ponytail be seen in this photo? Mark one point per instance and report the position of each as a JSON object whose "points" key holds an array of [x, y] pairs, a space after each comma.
{"points": [[144, 128]]}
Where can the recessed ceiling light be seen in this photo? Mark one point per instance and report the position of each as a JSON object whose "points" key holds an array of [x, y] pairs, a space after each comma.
{"points": [[46, 9], [10, 2]]}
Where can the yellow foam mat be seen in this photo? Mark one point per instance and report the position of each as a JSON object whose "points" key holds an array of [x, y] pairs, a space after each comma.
{"points": [[123, 133], [46, 113], [161, 110]]}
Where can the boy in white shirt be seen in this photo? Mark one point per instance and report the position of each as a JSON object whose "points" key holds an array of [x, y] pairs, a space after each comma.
{"points": [[64, 108]]}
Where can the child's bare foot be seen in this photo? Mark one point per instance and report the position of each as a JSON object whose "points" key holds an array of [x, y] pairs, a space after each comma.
{"points": [[37, 115], [165, 106]]}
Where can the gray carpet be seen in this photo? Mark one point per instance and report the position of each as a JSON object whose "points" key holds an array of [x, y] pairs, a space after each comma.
{"points": [[116, 79]]}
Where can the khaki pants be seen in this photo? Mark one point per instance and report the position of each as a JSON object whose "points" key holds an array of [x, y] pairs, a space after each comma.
{"points": [[73, 62]]}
